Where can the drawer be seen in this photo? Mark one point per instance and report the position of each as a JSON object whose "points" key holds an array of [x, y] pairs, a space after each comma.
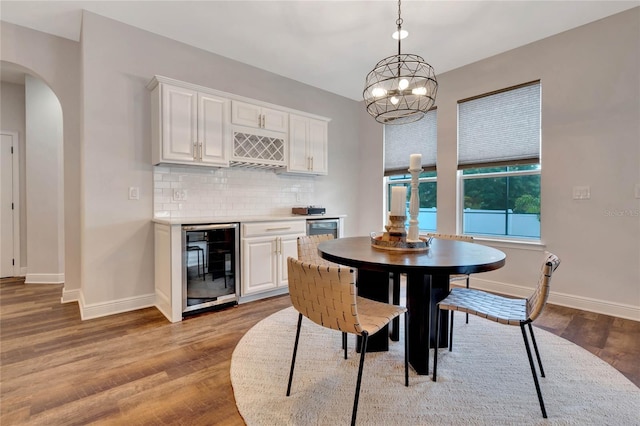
{"points": [[273, 228]]}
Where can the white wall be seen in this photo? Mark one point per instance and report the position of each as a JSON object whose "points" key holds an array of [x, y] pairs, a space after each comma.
{"points": [[56, 61], [590, 80], [117, 63], [12, 119], [45, 213]]}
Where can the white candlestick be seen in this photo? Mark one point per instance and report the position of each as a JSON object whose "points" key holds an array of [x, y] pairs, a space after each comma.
{"points": [[415, 161], [398, 200]]}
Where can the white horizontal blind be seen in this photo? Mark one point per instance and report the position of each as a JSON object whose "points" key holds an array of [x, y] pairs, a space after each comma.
{"points": [[419, 137], [500, 128]]}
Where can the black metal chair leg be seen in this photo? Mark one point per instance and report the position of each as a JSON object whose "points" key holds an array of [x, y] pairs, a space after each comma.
{"points": [[344, 344], [467, 314], [406, 349], [451, 332], [533, 370], [429, 317], [435, 350], [535, 347], [295, 350], [363, 351]]}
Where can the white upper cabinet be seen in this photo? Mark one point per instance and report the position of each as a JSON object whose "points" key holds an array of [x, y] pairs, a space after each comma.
{"points": [[245, 114], [308, 145], [189, 127], [213, 130], [196, 125]]}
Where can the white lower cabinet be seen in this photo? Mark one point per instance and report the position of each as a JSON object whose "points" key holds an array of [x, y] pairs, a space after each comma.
{"points": [[265, 249]]}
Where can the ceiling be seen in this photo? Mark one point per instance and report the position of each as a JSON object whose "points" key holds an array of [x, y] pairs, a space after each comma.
{"points": [[331, 45]]}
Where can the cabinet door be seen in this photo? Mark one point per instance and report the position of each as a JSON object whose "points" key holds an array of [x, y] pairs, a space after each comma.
{"points": [[250, 115], [179, 132], [245, 114], [299, 160], [317, 146], [213, 132], [259, 267], [288, 248], [274, 120]]}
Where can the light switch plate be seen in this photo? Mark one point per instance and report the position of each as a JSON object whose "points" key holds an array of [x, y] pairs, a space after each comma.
{"points": [[134, 193], [637, 190], [581, 192]]}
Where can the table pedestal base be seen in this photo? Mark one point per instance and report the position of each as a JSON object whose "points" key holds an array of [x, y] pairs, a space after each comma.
{"points": [[422, 290]]}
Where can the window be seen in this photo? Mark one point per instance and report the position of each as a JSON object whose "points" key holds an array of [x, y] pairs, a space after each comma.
{"points": [[428, 191], [400, 141], [499, 162]]}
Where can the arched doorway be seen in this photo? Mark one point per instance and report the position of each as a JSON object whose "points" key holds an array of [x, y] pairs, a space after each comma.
{"points": [[32, 112]]}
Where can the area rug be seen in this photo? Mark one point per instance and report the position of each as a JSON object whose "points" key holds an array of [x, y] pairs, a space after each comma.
{"points": [[485, 380]]}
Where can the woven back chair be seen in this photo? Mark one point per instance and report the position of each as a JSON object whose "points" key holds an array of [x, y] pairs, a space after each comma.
{"points": [[308, 249], [504, 310], [327, 296]]}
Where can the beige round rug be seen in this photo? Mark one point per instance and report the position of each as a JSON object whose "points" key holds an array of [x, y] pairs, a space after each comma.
{"points": [[485, 380]]}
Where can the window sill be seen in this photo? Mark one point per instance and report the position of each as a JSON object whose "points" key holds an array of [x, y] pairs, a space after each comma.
{"points": [[534, 245]]}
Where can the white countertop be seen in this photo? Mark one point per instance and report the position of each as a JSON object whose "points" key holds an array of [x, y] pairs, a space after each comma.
{"points": [[234, 219]]}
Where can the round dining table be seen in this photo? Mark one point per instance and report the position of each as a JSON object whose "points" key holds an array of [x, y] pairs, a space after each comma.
{"points": [[428, 276]]}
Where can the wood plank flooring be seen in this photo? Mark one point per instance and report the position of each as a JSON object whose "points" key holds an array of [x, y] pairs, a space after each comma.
{"points": [[137, 368]]}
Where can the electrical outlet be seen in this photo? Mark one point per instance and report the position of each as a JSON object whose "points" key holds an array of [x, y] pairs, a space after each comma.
{"points": [[637, 190], [581, 192], [179, 195], [134, 193], [298, 197]]}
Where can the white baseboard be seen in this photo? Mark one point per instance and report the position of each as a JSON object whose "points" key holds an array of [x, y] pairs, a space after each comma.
{"points": [[570, 301], [44, 279], [97, 310], [70, 296]]}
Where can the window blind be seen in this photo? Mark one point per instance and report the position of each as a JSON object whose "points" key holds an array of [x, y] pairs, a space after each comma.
{"points": [[400, 141], [500, 128]]}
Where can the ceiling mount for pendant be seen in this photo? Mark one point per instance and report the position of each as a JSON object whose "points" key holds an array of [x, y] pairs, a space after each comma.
{"points": [[401, 88]]}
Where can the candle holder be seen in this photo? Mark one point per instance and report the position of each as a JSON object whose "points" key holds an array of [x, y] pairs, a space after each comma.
{"points": [[396, 237], [414, 206]]}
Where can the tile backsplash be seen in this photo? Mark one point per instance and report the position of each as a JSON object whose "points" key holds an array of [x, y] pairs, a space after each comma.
{"points": [[181, 192]]}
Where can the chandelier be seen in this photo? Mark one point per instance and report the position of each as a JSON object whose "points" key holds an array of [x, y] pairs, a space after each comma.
{"points": [[401, 88]]}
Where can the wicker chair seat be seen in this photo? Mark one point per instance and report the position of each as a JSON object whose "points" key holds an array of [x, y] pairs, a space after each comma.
{"points": [[486, 305]]}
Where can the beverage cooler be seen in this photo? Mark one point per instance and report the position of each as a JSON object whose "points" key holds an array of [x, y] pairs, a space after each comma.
{"points": [[210, 266]]}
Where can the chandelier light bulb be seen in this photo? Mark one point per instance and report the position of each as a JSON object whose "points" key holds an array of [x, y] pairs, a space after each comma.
{"points": [[394, 100], [402, 34], [378, 92], [403, 84], [419, 91]]}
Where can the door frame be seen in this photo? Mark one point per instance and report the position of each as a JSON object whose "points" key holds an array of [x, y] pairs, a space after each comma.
{"points": [[15, 196]]}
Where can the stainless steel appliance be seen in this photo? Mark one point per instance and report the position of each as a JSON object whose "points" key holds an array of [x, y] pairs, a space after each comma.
{"points": [[323, 226], [210, 266]]}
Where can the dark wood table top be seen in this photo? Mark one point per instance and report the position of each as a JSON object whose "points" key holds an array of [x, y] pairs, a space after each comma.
{"points": [[444, 257]]}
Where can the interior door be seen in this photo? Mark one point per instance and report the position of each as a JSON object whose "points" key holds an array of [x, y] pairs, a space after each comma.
{"points": [[6, 208]]}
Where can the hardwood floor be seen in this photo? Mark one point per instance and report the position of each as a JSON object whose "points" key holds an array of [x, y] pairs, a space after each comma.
{"points": [[137, 368]]}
